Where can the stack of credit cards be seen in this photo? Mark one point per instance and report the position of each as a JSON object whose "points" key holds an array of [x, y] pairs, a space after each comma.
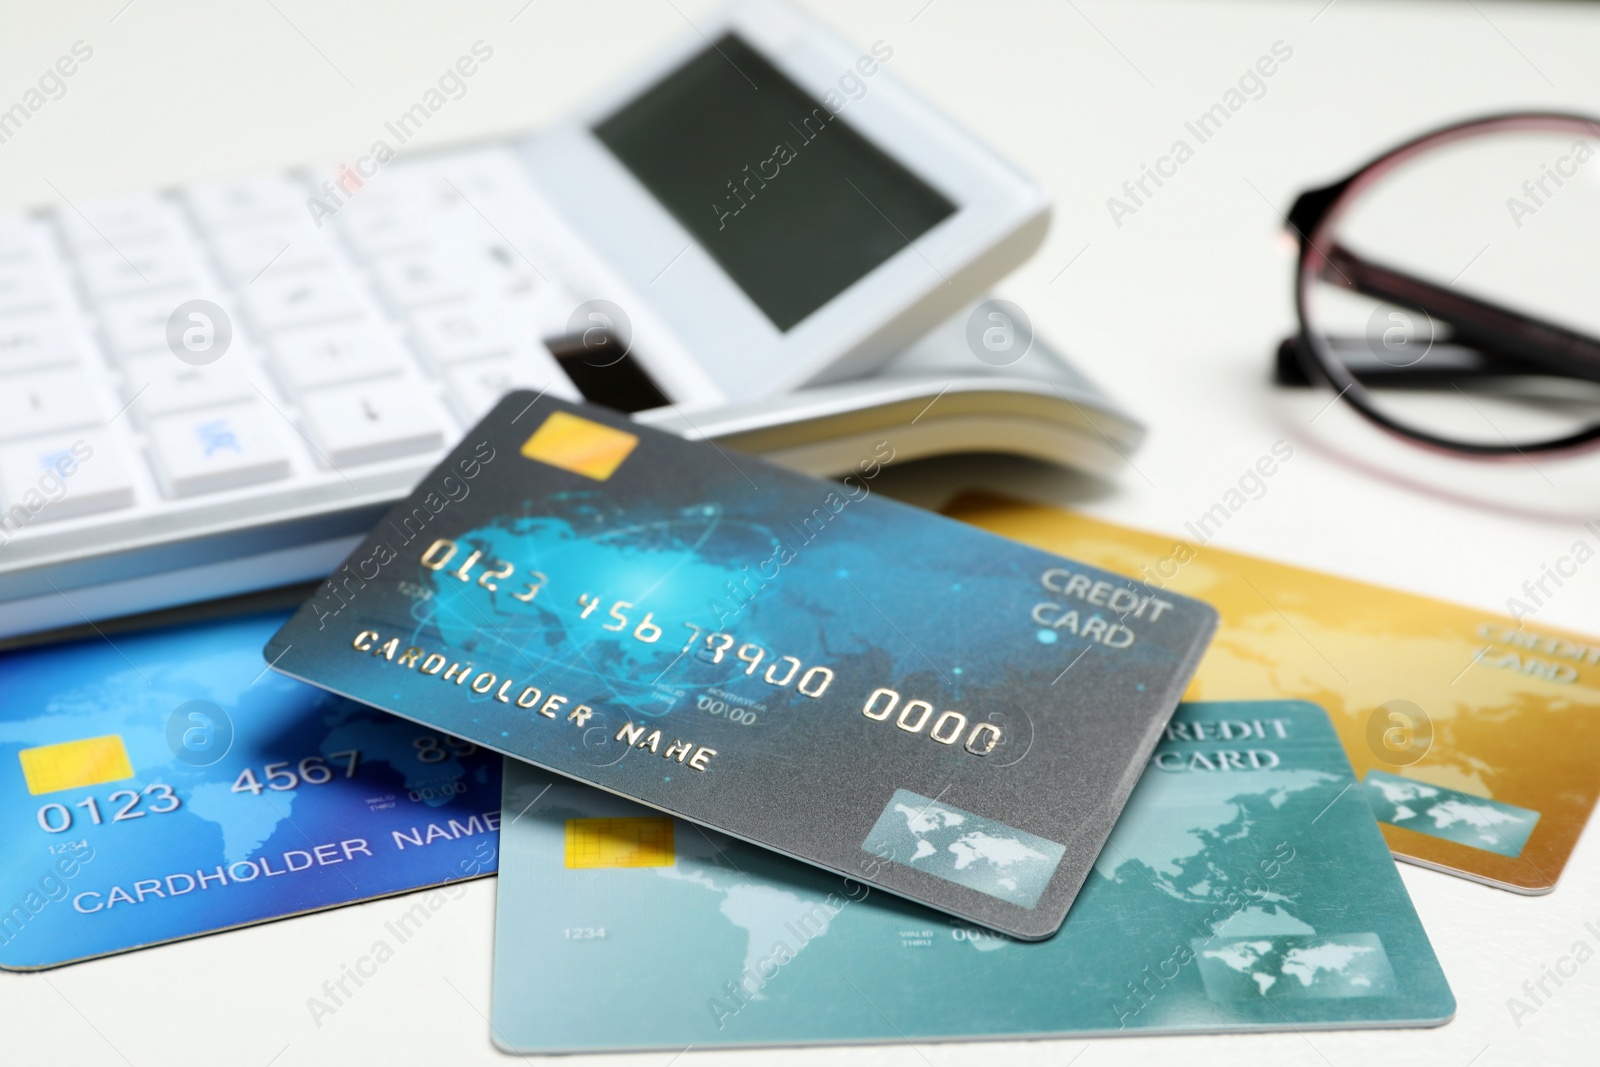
{"points": [[801, 664], [1472, 733], [167, 785], [792, 763]]}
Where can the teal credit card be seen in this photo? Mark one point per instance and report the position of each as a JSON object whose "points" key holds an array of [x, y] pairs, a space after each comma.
{"points": [[164, 784], [1246, 887]]}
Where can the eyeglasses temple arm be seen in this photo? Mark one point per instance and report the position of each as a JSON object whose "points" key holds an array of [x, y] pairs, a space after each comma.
{"points": [[1474, 323]]}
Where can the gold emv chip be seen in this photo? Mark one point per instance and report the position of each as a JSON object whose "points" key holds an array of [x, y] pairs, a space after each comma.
{"points": [[636, 842], [74, 764], [580, 446]]}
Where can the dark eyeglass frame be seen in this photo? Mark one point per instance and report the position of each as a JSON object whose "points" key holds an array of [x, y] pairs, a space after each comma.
{"points": [[1487, 340]]}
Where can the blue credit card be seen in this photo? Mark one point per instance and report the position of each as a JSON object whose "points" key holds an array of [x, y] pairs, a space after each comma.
{"points": [[1246, 887], [793, 662], [162, 784]]}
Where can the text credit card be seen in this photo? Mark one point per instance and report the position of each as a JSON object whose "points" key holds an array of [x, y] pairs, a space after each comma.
{"points": [[165, 785], [798, 663]]}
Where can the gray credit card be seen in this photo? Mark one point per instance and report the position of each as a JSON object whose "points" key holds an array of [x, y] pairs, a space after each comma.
{"points": [[862, 685]]}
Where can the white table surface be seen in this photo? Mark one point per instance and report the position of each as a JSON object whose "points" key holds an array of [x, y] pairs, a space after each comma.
{"points": [[1177, 312]]}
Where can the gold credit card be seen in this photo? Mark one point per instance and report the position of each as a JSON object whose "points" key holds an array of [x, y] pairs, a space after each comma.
{"points": [[1475, 739]]}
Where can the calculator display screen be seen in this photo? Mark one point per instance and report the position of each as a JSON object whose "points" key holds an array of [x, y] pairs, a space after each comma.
{"points": [[791, 201]]}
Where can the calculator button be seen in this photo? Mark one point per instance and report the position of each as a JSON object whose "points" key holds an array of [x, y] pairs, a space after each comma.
{"points": [[144, 268], [96, 225], [43, 402], [30, 341], [314, 358], [162, 384], [502, 268], [247, 252], [488, 176], [365, 423], [24, 287], [298, 299], [139, 324], [21, 237], [377, 231], [65, 476], [423, 278], [463, 331], [245, 200], [479, 384], [221, 448]]}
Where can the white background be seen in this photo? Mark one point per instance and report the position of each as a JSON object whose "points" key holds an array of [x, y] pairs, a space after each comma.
{"points": [[1176, 312]]}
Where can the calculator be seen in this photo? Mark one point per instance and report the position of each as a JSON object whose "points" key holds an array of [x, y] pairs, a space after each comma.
{"points": [[759, 236]]}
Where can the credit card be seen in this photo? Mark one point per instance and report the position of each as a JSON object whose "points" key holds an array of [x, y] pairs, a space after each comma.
{"points": [[163, 784], [798, 663], [1246, 887], [1473, 734]]}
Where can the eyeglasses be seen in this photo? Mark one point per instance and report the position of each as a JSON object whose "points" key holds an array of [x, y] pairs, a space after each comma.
{"points": [[1449, 290]]}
